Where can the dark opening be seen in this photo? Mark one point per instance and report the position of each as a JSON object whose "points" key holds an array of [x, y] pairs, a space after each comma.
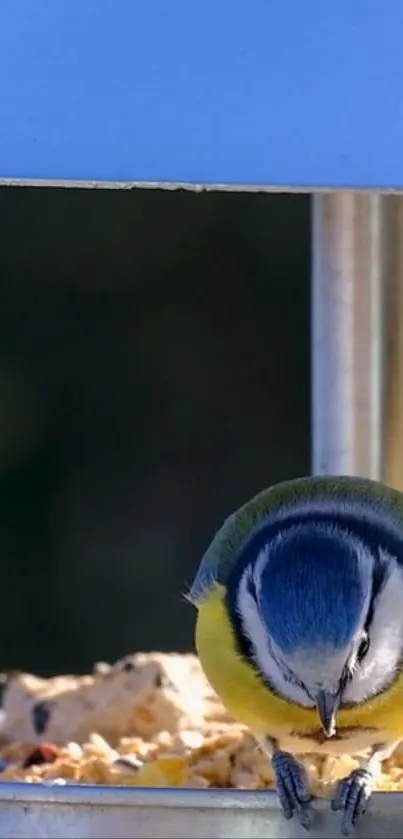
{"points": [[154, 374]]}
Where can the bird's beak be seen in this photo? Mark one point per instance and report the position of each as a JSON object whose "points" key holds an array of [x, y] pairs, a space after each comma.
{"points": [[327, 705]]}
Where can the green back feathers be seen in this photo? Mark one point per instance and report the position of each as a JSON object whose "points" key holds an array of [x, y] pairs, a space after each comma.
{"points": [[367, 499]]}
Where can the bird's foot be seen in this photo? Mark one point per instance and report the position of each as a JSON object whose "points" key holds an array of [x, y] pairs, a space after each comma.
{"points": [[352, 797], [292, 788]]}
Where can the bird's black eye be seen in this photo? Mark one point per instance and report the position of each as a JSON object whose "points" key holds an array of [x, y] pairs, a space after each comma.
{"points": [[363, 648]]}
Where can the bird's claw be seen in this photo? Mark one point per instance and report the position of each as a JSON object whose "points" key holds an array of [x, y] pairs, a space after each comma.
{"points": [[292, 788], [352, 797]]}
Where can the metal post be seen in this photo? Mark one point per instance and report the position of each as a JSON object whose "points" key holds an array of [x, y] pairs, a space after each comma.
{"points": [[357, 336], [393, 367]]}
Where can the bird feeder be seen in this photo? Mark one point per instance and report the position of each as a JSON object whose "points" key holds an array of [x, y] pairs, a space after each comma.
{"points": [[274, 95]]}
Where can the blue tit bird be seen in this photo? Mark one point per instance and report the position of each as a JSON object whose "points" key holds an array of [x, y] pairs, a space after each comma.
{"points": [[300, 629]]}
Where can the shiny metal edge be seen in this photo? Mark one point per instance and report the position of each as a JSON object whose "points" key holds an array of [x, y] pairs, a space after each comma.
{"points": [[45, 811], [197, 187], [127, 796], [177, 798]]}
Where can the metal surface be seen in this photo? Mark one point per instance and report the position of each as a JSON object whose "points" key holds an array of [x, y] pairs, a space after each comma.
{"points": [[110, 812], [357, 336], [393, 364], [347, 333], [293, 94]]}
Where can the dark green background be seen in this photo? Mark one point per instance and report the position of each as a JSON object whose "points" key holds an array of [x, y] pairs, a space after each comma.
{"points": [[154, 374]]}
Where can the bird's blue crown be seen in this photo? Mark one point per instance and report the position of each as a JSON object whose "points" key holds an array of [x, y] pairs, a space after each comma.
{"points": [[314, 586]]}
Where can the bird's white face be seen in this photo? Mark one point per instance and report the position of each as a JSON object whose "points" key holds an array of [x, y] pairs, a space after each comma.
{"points": [[377, 668], [360, 670]]}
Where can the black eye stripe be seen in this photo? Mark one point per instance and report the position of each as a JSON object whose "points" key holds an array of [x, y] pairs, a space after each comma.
{"points": [[379, 578], [363, 648]]}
